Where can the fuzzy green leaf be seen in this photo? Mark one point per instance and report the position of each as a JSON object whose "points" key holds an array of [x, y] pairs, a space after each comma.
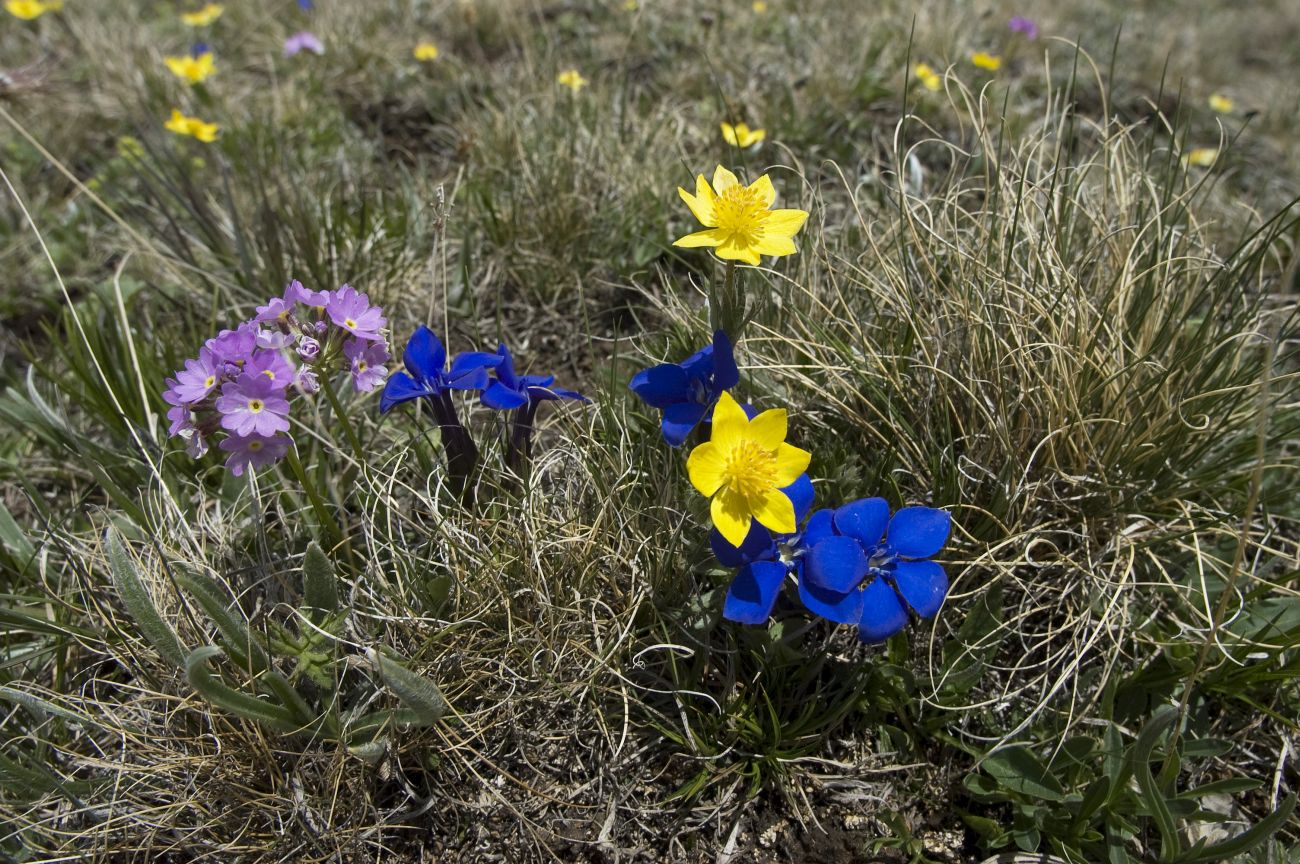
{"points": [[417, 692], [135, 597], [319, 582], [228, 699]]}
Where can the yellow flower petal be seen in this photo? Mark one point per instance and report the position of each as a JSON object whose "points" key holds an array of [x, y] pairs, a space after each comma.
{"points": [[701, 203], [775, 246], [768, 429], [730, 422], [764, 189], [790, 463], [785, 222], [708, 237], [1221, 103], [985, 60], [705, 466], [773, 510], [730, 512], [729, 134], [753, 137], [723, 180], [736, 249]]}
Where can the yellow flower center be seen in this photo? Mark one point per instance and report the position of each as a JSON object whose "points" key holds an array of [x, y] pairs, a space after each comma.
{"points": [[740, 212], [210, 380], [254, 445], [269, 374], [361, 365], [255, 406], [749, 469], [348, 322]]}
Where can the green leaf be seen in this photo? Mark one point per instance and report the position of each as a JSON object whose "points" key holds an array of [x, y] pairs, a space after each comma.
{"points": [[135, 597], [229, 699], [1019, 770], [245, 650], [1228, 786], [1152, 796], [319, 582], [416, 692], [1245, 841]]}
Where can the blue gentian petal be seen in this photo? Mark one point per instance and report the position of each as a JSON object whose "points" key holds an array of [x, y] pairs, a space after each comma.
{"points": [[918, 532], [831, 605], [882, 614], [820, 526], [923, 585], [506, 368], [467, 360], [757, 546], [424, 355], [662, 385], [499, 396], [473, 378], [864, 520], [526, 381], [547, 393], [725, 373], [699, 365], [400, 388], [750, 411], [753, 592], [565, 393], [836, 564], [800, 493], [679, 420]]}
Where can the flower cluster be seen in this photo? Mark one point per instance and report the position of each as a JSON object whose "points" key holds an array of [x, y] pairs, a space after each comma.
{"points": [[852, 565], [243, 379], [430, 378]]}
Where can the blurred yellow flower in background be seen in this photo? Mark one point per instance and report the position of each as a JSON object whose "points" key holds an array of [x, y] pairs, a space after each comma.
{"points": [[741, 135], [760, 6], [28, 10], [426, 51], [929, 79], [985, 60], [191, 126], [1221, 103], [191, 68], [572, 79], [203, 17], [1201, 157]]}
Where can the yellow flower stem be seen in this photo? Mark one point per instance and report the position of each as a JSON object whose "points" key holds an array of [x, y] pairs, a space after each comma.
{"points": [[726, 308]]}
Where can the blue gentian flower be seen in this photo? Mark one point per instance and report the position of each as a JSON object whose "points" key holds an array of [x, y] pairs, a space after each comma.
{"points": [[763, 568], [198, 49], [305, 5], [862, 567], [686, 392], [510, 391], [425, 359]]}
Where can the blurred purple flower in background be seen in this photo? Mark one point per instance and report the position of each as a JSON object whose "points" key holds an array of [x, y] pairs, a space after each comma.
{"points": [[1021, 24], [304, 40]]}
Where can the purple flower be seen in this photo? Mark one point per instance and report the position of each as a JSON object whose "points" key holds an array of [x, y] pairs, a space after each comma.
{"points": [[197, 445], [308, 348], [1021, 24], [253, 451], [303, 41], [273, 340], [368, 359], [252, 405], [231, 348], [306, 381], [194, 382], [182, 420], [351, 310], [274, 365], [296, 293], [276, 311]]}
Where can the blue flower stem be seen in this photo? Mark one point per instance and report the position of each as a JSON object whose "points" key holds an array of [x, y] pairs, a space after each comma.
{"points": [[731, 314], [462, 455]]}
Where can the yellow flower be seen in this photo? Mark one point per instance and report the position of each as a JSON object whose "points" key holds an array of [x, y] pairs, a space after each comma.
{"points": [[741, 135], [28, 10], [204, 16], [985, 60], [740, 225], [192, 69], [759, 7], [629, 5], [1202, 157], [1221, 103], [929, 79], [426, 52], [744, 467], [572, 79], [192, 126]]}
